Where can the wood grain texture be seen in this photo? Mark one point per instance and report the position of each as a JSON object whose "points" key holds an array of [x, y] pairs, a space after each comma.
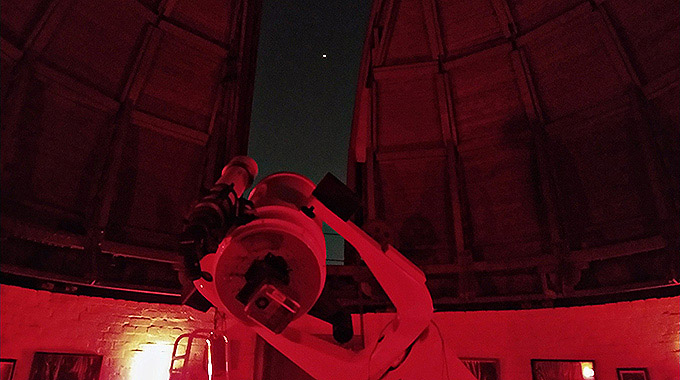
{"points": [[558, 124]]}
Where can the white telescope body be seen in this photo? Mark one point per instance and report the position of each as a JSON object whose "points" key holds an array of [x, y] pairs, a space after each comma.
{"points": [[287, 229], [279, 229]]}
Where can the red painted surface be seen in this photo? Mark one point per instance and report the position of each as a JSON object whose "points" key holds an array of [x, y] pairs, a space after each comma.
{"points": [[129, 335], [626, 334], [617, 335]]}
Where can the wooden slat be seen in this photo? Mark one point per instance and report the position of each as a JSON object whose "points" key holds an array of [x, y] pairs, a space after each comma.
{"points": [[554, 24], [410, 154], [45, 276], [398, 71], [389, 8], [193, 40], [76, 90], [169, 128], [47, 26], [41, 234], [619, 250], [137, 252], [526, 86], [370, 185], [530, 15], [106, 191], [467, 24], [450, 117], [33, 23], [140, 64], [546, 169], [454, 188], [505, 18], [615, 47], [139, 76], [434, 31], [661, 84], [443, 98], [9, 50], [166, 7]]}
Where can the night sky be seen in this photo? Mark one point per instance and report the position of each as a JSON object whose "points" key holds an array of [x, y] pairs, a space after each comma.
{"points": [[303, 102]]}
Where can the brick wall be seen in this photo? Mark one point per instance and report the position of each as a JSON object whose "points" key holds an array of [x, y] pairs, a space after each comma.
{"points": [[128, 334], [626, 334]]}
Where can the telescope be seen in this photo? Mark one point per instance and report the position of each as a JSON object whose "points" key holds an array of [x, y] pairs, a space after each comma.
{"points": [[262, 261]]}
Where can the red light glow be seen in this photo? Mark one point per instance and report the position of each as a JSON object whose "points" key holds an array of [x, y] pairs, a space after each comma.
{"points": [[587, 370], [151, 362]]}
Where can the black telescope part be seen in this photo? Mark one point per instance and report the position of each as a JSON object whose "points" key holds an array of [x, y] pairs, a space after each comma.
{"points": [[328, 309], [207, 223], [213, 215], [335, 195], [271, 269], [192, 248], [192, 298], [343, 331]]}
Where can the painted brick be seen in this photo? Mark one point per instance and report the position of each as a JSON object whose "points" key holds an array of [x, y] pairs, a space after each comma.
{"points": [[628, 334], [642, 333], [33, 321]]}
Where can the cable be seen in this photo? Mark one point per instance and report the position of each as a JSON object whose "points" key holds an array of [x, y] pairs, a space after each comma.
{"points": [[380, 337], [441, 337]]}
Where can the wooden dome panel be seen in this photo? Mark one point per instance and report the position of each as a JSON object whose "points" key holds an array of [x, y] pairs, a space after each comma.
{"points": [[152, 4], [570, 65], [9, 55], [98, 41], [530, 14], [115, 115], [211, 18], [408, 40], [508, 283], [159, 181], [467, 23], [600, 174], [486, 100], [183, 80], [409, 103], [502, 196], [18, 18], [52, 149], [667, 106], [650, 32], [558, 124], [415, 208]]}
